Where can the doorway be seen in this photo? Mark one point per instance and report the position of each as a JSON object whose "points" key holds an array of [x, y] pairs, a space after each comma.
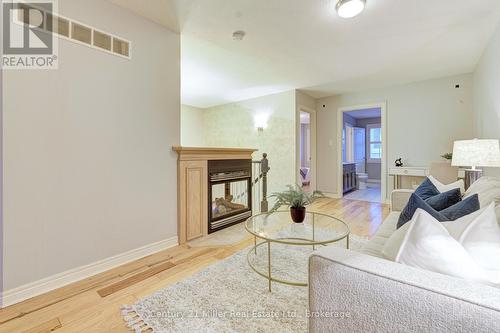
{"points": [[362, 159], [306, 149]]}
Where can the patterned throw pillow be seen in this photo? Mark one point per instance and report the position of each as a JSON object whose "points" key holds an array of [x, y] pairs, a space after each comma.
{"points": [[462, 208], [426, 190], [465, 207], [444, 200], [430, 193], [411, 207]]}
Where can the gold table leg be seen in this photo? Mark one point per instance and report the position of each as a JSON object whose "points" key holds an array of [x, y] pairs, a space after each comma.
{"points": [[269, 263], [314, 247], [255, 244], [348, 242]]}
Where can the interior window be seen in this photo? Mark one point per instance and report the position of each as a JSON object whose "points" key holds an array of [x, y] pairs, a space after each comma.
{"points": [[374, 143]]}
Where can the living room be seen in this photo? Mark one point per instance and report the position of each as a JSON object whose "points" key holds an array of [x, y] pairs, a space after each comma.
{"points": [[155, 176]]}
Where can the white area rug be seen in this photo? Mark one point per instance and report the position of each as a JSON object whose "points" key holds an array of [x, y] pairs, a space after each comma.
{"points": [[233, 235], [229, 296]]}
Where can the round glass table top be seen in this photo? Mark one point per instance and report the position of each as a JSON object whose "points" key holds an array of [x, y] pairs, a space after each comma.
{"points": [[278, 227]]}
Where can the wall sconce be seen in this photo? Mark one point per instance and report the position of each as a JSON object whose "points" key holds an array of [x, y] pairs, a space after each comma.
{"points": [[260, 121]]}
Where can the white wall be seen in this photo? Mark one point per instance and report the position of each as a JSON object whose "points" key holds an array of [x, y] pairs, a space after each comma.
{"points": [[2, 248], [232, 125], [487, 95], [304, 102], [89, 171], [192, 128], [423, 120]]}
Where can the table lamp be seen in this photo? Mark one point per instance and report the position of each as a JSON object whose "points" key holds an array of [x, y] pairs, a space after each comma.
{"points": [[475, 153]]}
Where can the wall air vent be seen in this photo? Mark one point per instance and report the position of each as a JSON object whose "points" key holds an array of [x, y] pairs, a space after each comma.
{"points": [[57, 25], [102, 40], [120, 47], [75, 31], [98, 39], [81, 33]]}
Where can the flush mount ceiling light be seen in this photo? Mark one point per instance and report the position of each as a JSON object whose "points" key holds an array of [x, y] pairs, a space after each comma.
{"points": [[350, 8]]}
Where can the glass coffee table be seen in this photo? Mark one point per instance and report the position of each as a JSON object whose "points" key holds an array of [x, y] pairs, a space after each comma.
{"points": [[278, 228]]}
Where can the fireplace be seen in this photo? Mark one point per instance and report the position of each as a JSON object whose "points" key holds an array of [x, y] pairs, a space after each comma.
{"points": [[229, 193]]}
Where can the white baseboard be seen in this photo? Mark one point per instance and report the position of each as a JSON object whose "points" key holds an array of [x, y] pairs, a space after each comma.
{"points": [[59, 280], [374, 181], [332, 195]]}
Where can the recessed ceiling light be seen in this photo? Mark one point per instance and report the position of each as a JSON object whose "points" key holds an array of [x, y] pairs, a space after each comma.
{"points": [[350, 8], [238, 35]]}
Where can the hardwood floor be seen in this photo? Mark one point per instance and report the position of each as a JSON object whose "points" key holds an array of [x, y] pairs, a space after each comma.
{"points": [[93, 304], [372, 193]]}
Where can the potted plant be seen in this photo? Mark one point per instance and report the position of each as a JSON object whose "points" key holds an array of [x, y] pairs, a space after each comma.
{"points": [[447, 156], [296, 199]]}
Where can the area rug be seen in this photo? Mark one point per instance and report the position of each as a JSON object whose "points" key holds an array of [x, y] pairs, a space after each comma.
{"points": [[229, 236], [229, 296]]}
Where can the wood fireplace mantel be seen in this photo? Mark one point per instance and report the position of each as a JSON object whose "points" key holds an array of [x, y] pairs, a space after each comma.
{"points": [[192, 195], [212, 153]]}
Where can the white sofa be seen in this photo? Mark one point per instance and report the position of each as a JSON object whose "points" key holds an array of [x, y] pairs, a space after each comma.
{"points": [[363, 292]]}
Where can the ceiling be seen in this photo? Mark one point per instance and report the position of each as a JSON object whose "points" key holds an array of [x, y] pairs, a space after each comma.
{"points": [[298, 44], [163, 12], [365, 113]]}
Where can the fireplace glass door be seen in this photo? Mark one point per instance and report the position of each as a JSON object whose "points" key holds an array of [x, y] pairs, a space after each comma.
{"points": [[230, 193], [229, 198]]}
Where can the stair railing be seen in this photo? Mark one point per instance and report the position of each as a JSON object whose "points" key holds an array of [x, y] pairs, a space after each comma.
{"points": [[260, 169]]}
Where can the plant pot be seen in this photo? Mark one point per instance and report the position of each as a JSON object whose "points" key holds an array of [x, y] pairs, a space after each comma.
{"points": [[298, 214]]}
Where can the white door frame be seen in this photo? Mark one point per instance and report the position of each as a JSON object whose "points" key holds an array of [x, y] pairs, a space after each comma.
{"points": [[312, 119], [383, 167]]}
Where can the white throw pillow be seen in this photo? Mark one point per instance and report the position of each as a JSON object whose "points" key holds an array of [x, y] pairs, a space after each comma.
{"points": [[455, 228], [488, 190], [446, 187], [481, 239], [393, 243], [428, 245]]}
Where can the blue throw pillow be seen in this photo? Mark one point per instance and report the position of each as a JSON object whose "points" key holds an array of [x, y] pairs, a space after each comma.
{"points": [[444, 200], [464, 207], [427, 189], [415, 203]]}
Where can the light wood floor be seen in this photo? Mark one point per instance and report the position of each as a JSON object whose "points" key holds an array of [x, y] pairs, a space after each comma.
{"points": [[372, 193], [93, 304]]}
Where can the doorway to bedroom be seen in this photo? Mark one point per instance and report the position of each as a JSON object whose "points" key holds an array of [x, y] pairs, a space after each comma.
{"points": [[362, 154], [306, 134]]}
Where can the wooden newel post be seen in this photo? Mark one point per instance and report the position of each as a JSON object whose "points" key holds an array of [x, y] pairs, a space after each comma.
{"points": [[264, 168]]}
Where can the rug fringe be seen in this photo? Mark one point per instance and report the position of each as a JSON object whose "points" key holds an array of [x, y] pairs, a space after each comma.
{"points": [[133, 319]]}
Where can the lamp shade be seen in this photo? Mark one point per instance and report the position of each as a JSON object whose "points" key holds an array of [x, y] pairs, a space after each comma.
{"points": [[476, 152]]}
